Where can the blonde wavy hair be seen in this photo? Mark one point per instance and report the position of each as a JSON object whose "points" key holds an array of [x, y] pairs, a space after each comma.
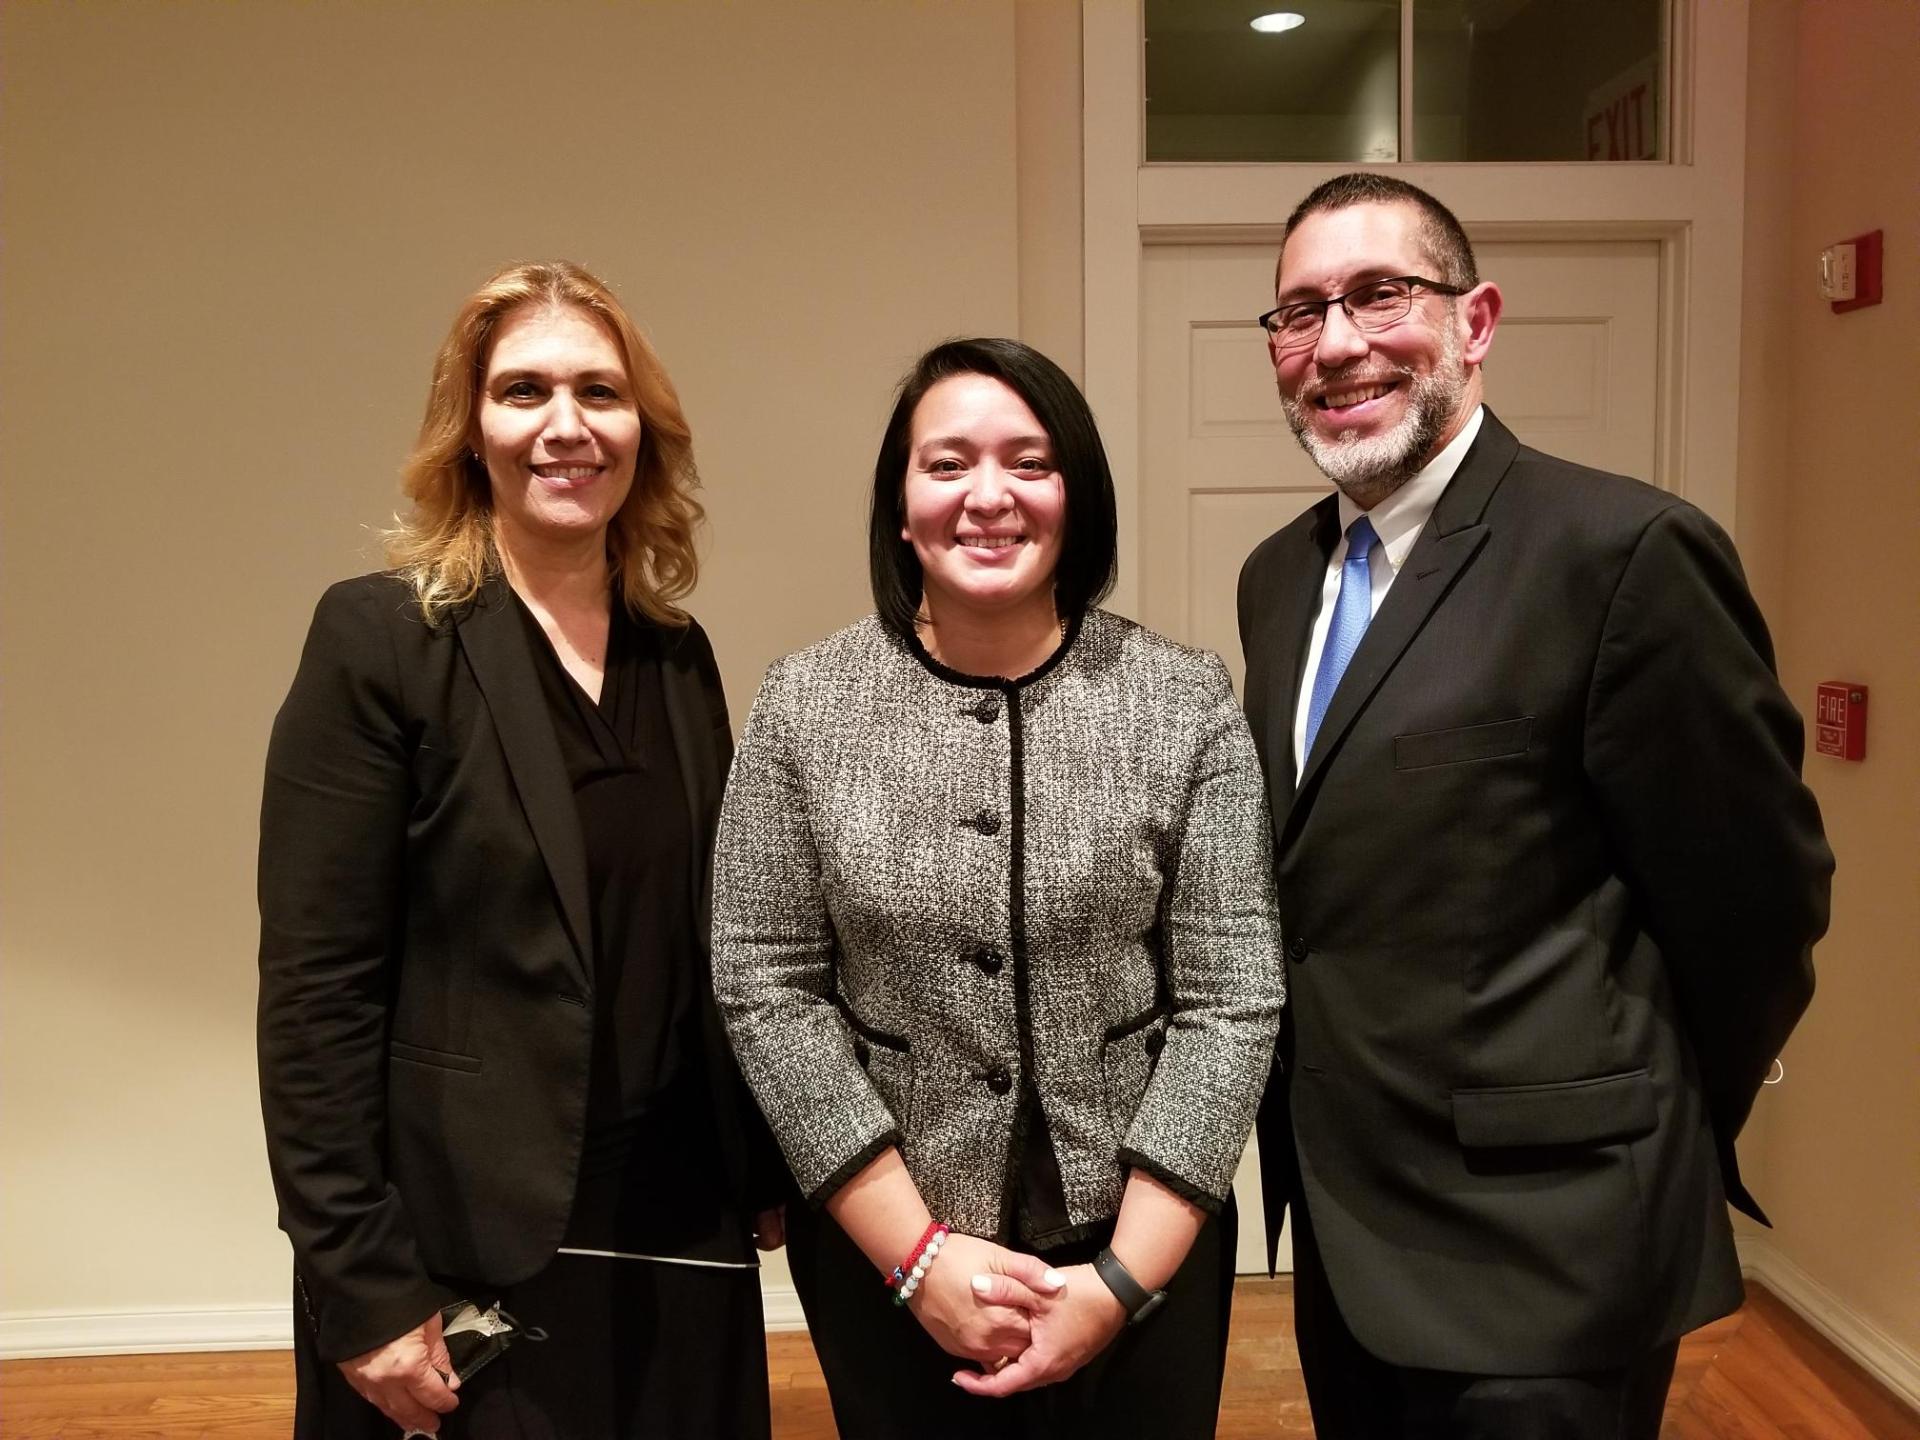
{"points": [[444, 545]]}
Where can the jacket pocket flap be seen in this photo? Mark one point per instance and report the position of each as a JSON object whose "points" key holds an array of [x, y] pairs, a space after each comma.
{"points": [[1469, 742], [438, 1059], [1568, 1112], [1155, 1012], [864, 1031]]}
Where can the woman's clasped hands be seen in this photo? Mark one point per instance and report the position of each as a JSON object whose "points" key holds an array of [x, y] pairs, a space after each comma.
{"points": [[1066, 1328], [1024, 1323]]}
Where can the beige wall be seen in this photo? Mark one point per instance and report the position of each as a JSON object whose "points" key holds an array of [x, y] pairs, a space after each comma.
{"points": [[1052, 295], [1832, 441], [1763, 464], [234, 235]]}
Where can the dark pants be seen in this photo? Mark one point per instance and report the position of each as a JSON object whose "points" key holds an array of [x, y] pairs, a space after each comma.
{"points": [[888, 1378], [635, 1349], [1356, 1396]]}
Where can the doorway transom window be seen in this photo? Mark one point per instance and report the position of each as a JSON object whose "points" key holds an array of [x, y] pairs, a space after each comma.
{"points": [[1382, 81]]}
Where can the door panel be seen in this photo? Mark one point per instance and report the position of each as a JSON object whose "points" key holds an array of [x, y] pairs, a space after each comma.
{"points": [[1573, 370]]}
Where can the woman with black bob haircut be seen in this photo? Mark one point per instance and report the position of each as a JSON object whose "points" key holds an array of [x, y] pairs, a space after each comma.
{"points": [[995, 942], [1088, 559]]}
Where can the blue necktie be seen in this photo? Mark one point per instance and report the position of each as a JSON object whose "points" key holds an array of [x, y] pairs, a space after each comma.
{"points": [[1351, 612]]}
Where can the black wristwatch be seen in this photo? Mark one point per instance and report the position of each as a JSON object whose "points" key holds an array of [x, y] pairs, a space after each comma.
{"points": [[1138, 1301]]}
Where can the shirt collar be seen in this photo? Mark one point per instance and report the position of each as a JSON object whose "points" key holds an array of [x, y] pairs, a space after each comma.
{"points": [[1399, 518]]}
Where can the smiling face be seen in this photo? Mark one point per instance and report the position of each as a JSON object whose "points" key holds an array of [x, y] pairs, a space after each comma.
{"points": [[984, 507], [557, 427], [1372, 407]]}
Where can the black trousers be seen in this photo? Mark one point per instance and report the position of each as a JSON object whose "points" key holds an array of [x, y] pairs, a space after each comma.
{"points": [[635, 1349], [888, 1378], [1357, 1396]]}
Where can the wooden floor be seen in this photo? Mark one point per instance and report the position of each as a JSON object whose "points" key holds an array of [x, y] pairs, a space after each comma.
{"points": [[1759, 1375]]}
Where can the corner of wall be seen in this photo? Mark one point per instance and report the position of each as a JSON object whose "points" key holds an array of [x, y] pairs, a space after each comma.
{"points": [[1766, 357]]}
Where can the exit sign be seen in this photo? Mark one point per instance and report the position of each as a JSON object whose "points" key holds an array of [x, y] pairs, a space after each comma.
{"points": [[1622, 117]]}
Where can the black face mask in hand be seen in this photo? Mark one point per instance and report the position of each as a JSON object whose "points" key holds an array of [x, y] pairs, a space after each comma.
{"points": [[476, 1337]]}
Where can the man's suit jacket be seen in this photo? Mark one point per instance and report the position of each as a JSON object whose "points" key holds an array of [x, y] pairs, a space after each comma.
{"points": [[426, 969], [1548, 885]]}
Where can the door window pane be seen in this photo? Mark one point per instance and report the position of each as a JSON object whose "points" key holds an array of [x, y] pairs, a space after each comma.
{"points": [[1328, 89], [1539, 80]]}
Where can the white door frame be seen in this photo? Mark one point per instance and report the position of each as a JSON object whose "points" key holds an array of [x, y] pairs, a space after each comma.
{"points": [[1694, 207]]}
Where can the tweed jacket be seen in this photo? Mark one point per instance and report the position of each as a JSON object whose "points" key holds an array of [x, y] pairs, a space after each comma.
{"points": [[938, 896]]}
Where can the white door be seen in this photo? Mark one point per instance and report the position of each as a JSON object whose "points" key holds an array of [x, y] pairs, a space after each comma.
{"points": [[1573, 371]]}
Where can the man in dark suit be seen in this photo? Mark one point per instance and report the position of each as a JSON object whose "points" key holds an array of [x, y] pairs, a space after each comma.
{"points": [[1547, 871]]}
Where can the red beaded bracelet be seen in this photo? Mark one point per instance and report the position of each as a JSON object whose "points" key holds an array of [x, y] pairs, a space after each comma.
{"points": [[906, 1277], [913, 1256]]}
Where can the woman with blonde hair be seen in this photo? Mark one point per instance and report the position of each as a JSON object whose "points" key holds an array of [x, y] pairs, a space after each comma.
{"points": [[491, 1070]]}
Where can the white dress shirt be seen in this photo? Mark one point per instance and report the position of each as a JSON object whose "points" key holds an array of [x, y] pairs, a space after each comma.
{"points": [[1398, 521]]}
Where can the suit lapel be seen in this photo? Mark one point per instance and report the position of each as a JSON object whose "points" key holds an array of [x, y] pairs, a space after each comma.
{"points": [[1451, 538], [496, 649]]}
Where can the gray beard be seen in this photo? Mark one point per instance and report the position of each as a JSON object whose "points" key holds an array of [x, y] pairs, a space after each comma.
{"points": [[1369, 470]]}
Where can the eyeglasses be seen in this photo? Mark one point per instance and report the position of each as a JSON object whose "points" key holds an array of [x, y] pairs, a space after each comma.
{"points": [[1372, 306]]}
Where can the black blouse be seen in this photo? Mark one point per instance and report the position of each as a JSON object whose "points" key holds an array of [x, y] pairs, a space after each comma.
{"points": [[620, 758]]}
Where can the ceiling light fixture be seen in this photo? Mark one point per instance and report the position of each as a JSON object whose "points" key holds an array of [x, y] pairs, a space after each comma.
{"points": [[1278, 22]]}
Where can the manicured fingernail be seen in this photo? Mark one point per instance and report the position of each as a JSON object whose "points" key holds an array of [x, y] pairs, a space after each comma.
{"points": [[1055, 1278], [981, 1284]]}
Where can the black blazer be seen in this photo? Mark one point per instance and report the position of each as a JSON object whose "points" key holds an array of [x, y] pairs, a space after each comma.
{"points": [[1549, 888], [426, 1003]]}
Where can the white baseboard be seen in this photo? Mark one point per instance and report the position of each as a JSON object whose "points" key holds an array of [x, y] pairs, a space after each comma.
{"points": [[148, 1332], [1869, 1346], [266, 1327], [782, 1306]]}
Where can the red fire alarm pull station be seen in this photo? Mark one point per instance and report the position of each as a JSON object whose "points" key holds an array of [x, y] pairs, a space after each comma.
{"points": [[1840, 720], [1850, 273]]}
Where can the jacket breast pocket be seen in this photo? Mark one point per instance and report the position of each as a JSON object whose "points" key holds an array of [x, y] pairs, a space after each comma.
{"points": [[435, 1059], [1464, 744], [1128, 1054], [1602, 1110]]}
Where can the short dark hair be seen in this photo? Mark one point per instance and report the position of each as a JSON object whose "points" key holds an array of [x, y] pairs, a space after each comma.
{"points": [[1441, 235], [1088, 549]]}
